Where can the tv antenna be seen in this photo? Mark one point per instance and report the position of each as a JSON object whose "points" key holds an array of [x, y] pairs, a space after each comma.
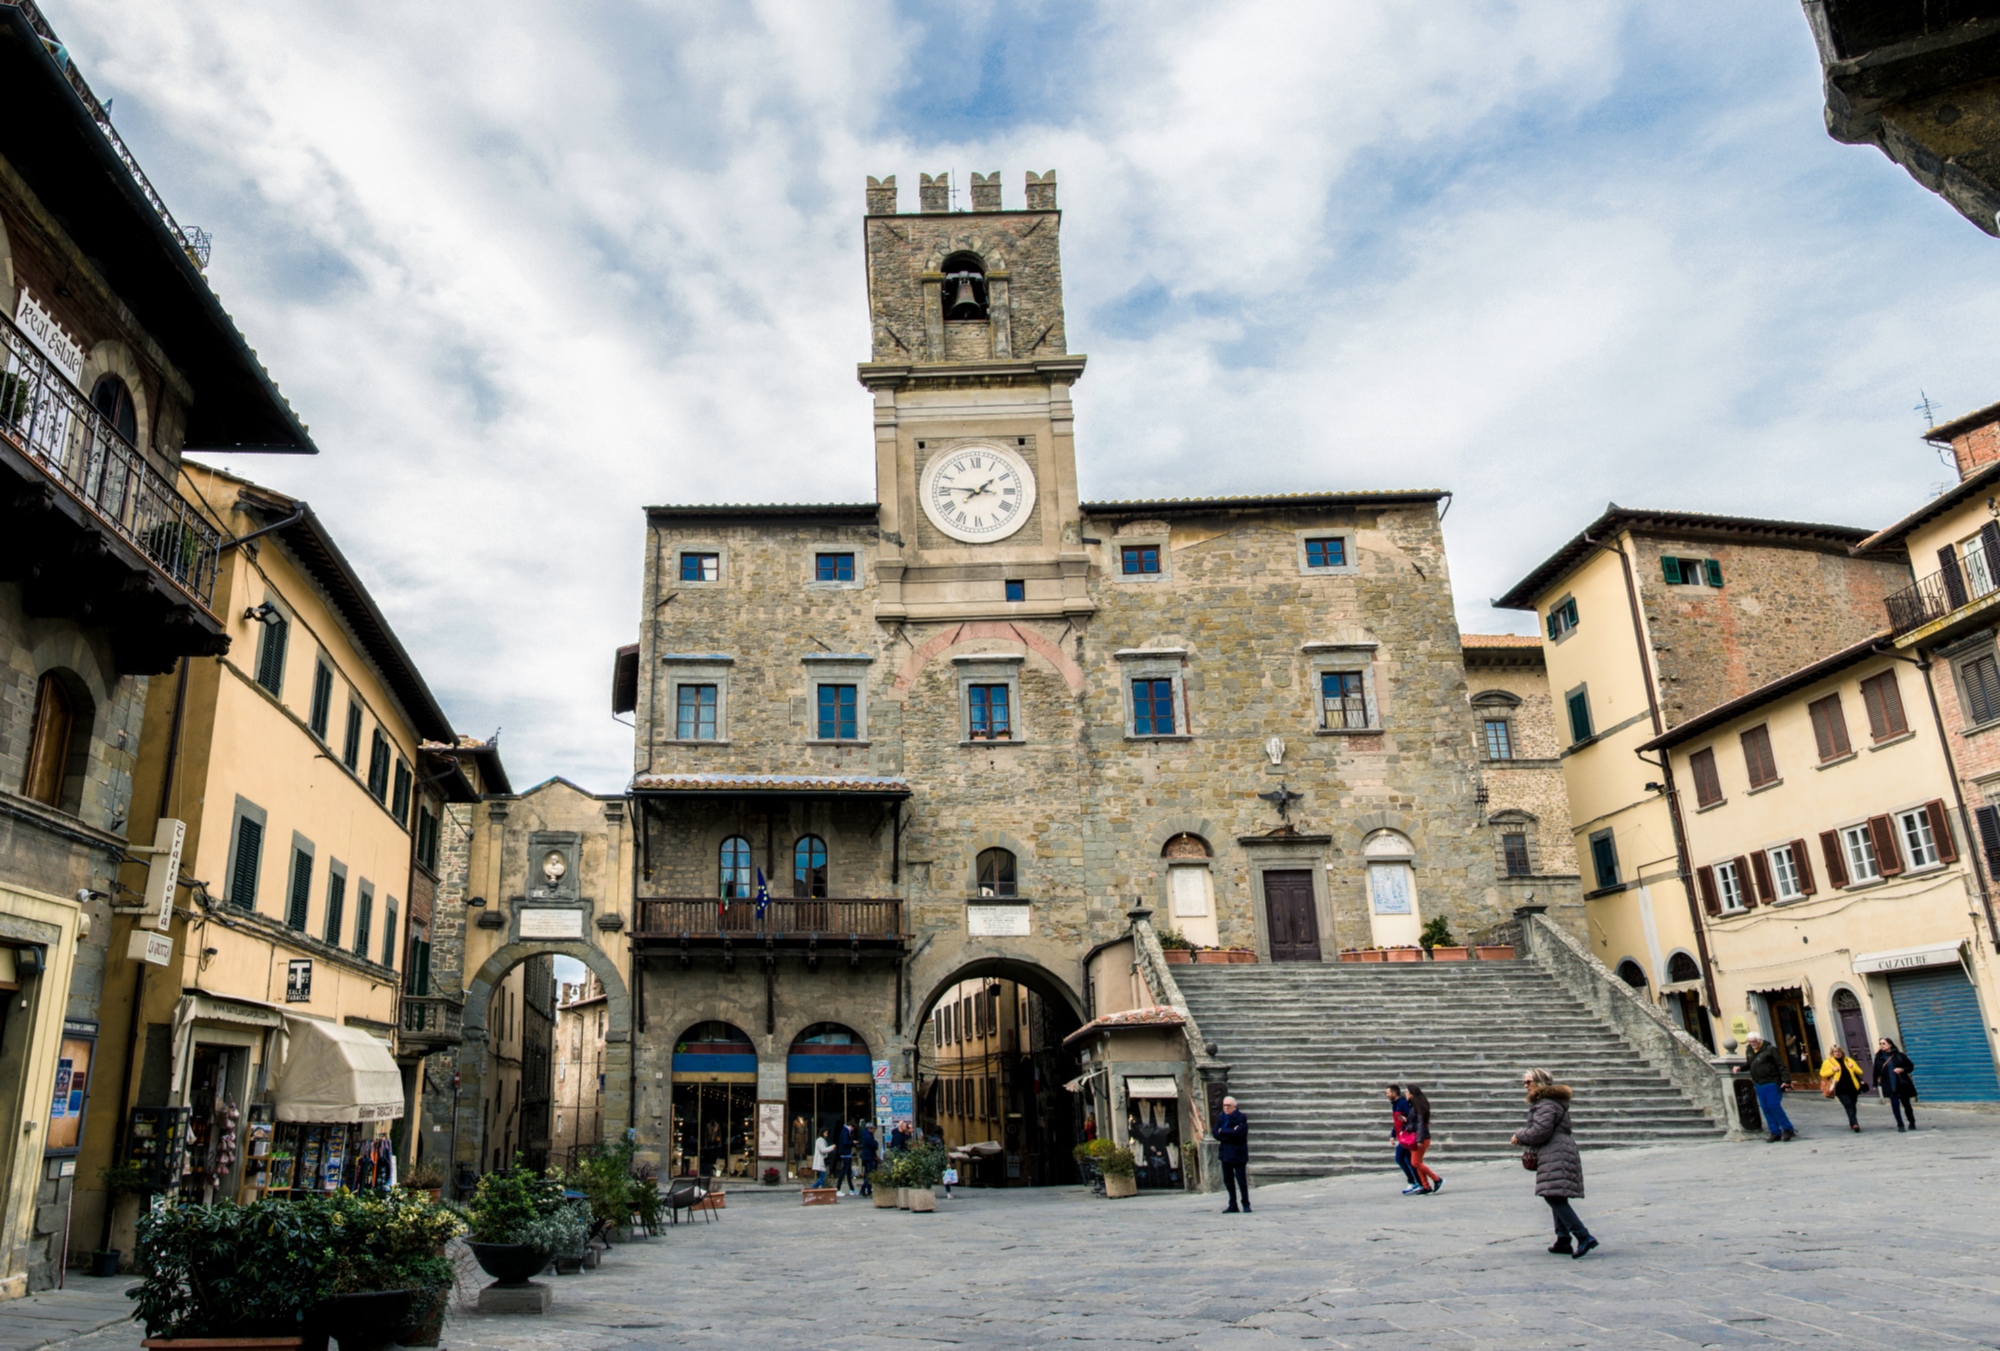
{"points": [[1927, 408]]}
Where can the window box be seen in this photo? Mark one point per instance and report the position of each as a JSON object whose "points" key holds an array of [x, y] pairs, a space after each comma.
{"points": [[1494, 952], [1402, 954], [1441, 953], [1177, 956]]}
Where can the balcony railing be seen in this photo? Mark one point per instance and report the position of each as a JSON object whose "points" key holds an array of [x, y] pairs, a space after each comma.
{"points": [[433, 1018], [45, 417], [1937, 595], [701, 917]]}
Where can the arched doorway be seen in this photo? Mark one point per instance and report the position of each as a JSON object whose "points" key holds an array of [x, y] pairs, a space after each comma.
{"points": [[713, 1132], [829, 1079], [993, 1070]]}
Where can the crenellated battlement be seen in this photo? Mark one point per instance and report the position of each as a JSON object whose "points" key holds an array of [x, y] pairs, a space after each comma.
{"points": [[934, 193]]}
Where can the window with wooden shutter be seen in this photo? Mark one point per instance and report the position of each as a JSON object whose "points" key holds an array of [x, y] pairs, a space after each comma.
{"points": [[1670, 568], [1884, 701], [1707, 783], [1802, 860], [1704, 878], [249, 856], [1757, 757], [1988, 821], [1712, 569], [1579, 715], [1836, 861], [301, 898], [1760, 872], [1979, 688], [271, 655], [1888, 853], [53, 742], [1989, 546], [1948, 573], [1947, 848], [1829, 727]]}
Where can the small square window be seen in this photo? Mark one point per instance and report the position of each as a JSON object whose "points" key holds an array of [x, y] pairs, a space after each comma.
{"points": [[1919, 842], [694, 713], [1562, 619], [701, 567], [839, 713], [1343, 701], [1862, 865], [1017, 590], [826, 567], [1326, 553], [1729, 885], [988, 714], [1153, 707], [1136, 560]]}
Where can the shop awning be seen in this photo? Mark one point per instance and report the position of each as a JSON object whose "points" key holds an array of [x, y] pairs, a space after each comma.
{"points": [[334, 1073], [1906, 959], [1152, 1088]]}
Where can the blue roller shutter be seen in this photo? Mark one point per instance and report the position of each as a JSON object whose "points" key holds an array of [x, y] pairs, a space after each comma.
{"points": [[1944, 1035]]}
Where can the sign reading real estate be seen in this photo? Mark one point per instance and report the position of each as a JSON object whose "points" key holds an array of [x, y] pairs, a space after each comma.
{"points": [[48, 337]]}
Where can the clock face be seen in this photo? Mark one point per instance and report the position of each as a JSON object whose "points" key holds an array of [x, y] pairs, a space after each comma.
{"points": [[977, 493]]}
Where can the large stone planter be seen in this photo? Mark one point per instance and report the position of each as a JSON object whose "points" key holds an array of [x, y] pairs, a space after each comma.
{"points": [[922, 1199], [1177, 956], [366, 1322], [903, 1198], [1115, 1186], [509, 1264], [1445, 954], [1495, 952], [1403, 954], [885, 1197]]}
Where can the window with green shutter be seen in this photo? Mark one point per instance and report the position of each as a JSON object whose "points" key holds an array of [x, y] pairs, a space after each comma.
{"points": [[364, 914], [271, 655], [1670, 568], [322, 701], [249, 857], [1562, 618], [336, 903], [301, 897], [1579, 715], [1713, 571]]}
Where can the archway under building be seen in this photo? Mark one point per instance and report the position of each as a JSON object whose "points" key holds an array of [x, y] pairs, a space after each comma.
{"points": [[491, 1130], [993, 1072]]}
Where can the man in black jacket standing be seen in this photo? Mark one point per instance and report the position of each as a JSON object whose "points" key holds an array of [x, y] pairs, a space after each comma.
{"points": [[1232, 1134]]}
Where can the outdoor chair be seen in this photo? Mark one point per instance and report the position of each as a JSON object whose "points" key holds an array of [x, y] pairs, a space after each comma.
{"points": [[682, 1193]]}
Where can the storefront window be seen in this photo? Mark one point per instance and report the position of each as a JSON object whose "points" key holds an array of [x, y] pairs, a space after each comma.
{"points": [[714, 1102], [828, 1081]]}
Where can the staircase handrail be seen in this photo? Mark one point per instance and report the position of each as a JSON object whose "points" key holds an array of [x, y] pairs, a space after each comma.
{"points": [[1159, 978], [1685, 1062]]}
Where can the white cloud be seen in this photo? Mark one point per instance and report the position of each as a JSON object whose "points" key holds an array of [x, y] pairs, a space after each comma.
{"points": [[526, 269]]}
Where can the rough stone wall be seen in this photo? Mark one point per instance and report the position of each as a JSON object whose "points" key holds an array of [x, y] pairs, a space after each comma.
{"points": [[1976, 752], [1778, 609], [1531, 785], [447, 972], [1023, 244]]}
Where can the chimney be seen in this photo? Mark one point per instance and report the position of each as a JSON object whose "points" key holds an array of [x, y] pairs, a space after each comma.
{"points": [[1041, 191], [934, 192], [882, 195], [986, 191], [1974, 439]]}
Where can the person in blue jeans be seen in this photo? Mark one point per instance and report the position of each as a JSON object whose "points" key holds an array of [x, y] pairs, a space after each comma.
{"points": [[1767, 1076]]}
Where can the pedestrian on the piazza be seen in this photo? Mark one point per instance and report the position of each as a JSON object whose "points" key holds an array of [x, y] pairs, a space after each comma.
{"points": [[1418, 1118], [1232, 1136], [1399, 1113], [871, 1154], [1842, 1075], [1552, 1153], [1767, 1076], [821, 1151], [899, 1136], [1895, 1076], [843, 1157]]}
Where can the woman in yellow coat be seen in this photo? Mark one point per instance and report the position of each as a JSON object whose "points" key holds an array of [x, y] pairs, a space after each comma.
{"points": [[1843, 1077]]}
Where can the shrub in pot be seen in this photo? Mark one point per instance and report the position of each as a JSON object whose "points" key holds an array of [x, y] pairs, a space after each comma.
{"points": [[1176, 947], [1114, 1163], [386, 1279], [232, 1271], [426, 1177], [508, 1233], [121, 1180]]}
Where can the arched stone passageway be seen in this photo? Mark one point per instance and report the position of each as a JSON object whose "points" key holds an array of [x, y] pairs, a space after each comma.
{"points": [[473, 1145]]}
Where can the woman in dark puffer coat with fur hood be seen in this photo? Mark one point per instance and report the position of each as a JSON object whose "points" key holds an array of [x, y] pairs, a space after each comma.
{"points": [[1558, 1167]]}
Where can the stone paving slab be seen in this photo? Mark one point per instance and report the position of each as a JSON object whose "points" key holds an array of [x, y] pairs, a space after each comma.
{"points": [[1872, 1241], [54, 1317]]}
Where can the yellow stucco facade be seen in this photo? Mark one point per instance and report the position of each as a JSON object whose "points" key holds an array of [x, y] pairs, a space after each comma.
{"points": [[31, 1035]]}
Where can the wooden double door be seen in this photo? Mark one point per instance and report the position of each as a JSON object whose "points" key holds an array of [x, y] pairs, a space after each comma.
{"points": [[1290, 917]]}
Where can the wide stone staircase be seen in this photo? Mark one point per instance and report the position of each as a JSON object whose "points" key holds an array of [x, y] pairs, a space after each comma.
{"points": [[1310, 1047]]}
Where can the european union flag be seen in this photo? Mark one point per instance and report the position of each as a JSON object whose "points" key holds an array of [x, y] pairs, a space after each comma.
{"points": [[763, 895]]}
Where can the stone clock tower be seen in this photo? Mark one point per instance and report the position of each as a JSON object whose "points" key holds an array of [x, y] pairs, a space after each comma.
{"points": [[975, 452]]}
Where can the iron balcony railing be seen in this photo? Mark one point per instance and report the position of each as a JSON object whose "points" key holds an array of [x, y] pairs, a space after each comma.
{"points": [[700, 917], [194, 241], [433, 1018], [1937, 595], [45, 417]]}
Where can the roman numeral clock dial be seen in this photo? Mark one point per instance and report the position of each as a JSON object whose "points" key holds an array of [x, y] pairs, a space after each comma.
{"points": [[977, 493]]}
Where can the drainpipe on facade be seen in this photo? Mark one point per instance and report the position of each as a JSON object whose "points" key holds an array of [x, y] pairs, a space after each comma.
{"points": [[1922, 662]]}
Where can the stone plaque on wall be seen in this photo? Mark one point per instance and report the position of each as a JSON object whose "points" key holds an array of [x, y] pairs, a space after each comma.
{"points": [[996, 921], [551, 922]]}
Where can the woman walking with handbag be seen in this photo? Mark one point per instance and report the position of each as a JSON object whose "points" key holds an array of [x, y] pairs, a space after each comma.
{"points": [[1841, 1077], [1553, 1157], [1895, 1079], [1399, 1131]]}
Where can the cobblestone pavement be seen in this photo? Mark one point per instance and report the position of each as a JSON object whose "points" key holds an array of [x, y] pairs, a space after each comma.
{"points": [[1876, 1240]]}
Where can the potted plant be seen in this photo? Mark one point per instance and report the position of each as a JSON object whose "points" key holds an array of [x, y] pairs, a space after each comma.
{"points": [[1176, 947], [1372, 955], [428, 1178], [1494, 952], [1409, 953], [507, 1233], [1243, 956], [1438, 941], [120, 1180], [1211, 956], [770, 1177], [1114, 1163], [923, 1164], [250, 1273], [385, 1279], [885, 1182]]}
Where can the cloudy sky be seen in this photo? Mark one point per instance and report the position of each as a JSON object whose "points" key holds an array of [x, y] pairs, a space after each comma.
{"points": [[528, 267]]}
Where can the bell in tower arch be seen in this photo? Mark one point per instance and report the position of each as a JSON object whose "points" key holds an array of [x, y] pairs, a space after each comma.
{"points": [[964, 287]]}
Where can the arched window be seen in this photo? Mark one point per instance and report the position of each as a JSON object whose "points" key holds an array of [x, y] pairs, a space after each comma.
{"points": [[1632, 974], [112, 398], [59, 745], [809, 867], [964, 286], [996, 872], [1682, 967], [733, 866]]}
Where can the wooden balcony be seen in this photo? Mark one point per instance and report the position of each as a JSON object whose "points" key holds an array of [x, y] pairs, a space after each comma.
{"points": [[675, 921]]}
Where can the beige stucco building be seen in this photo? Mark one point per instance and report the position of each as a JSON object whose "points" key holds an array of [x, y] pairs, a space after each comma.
{"points": [[582, 1023]]}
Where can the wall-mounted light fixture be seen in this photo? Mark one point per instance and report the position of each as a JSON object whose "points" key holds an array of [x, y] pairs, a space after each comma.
{"points": [[266, 613]]}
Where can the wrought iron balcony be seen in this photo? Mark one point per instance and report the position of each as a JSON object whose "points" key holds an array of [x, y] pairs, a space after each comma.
{"points": [[432, 1021], [46, 419], [1935, 596], [672, 919]]}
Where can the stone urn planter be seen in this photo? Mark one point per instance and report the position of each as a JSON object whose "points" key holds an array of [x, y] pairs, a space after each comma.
{"points": [[569, 1266], [1116, 1186], [1442, 953], [368, 1321], [1495, 952], [1177, 956], [1403, 954], [509, 1264]]}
